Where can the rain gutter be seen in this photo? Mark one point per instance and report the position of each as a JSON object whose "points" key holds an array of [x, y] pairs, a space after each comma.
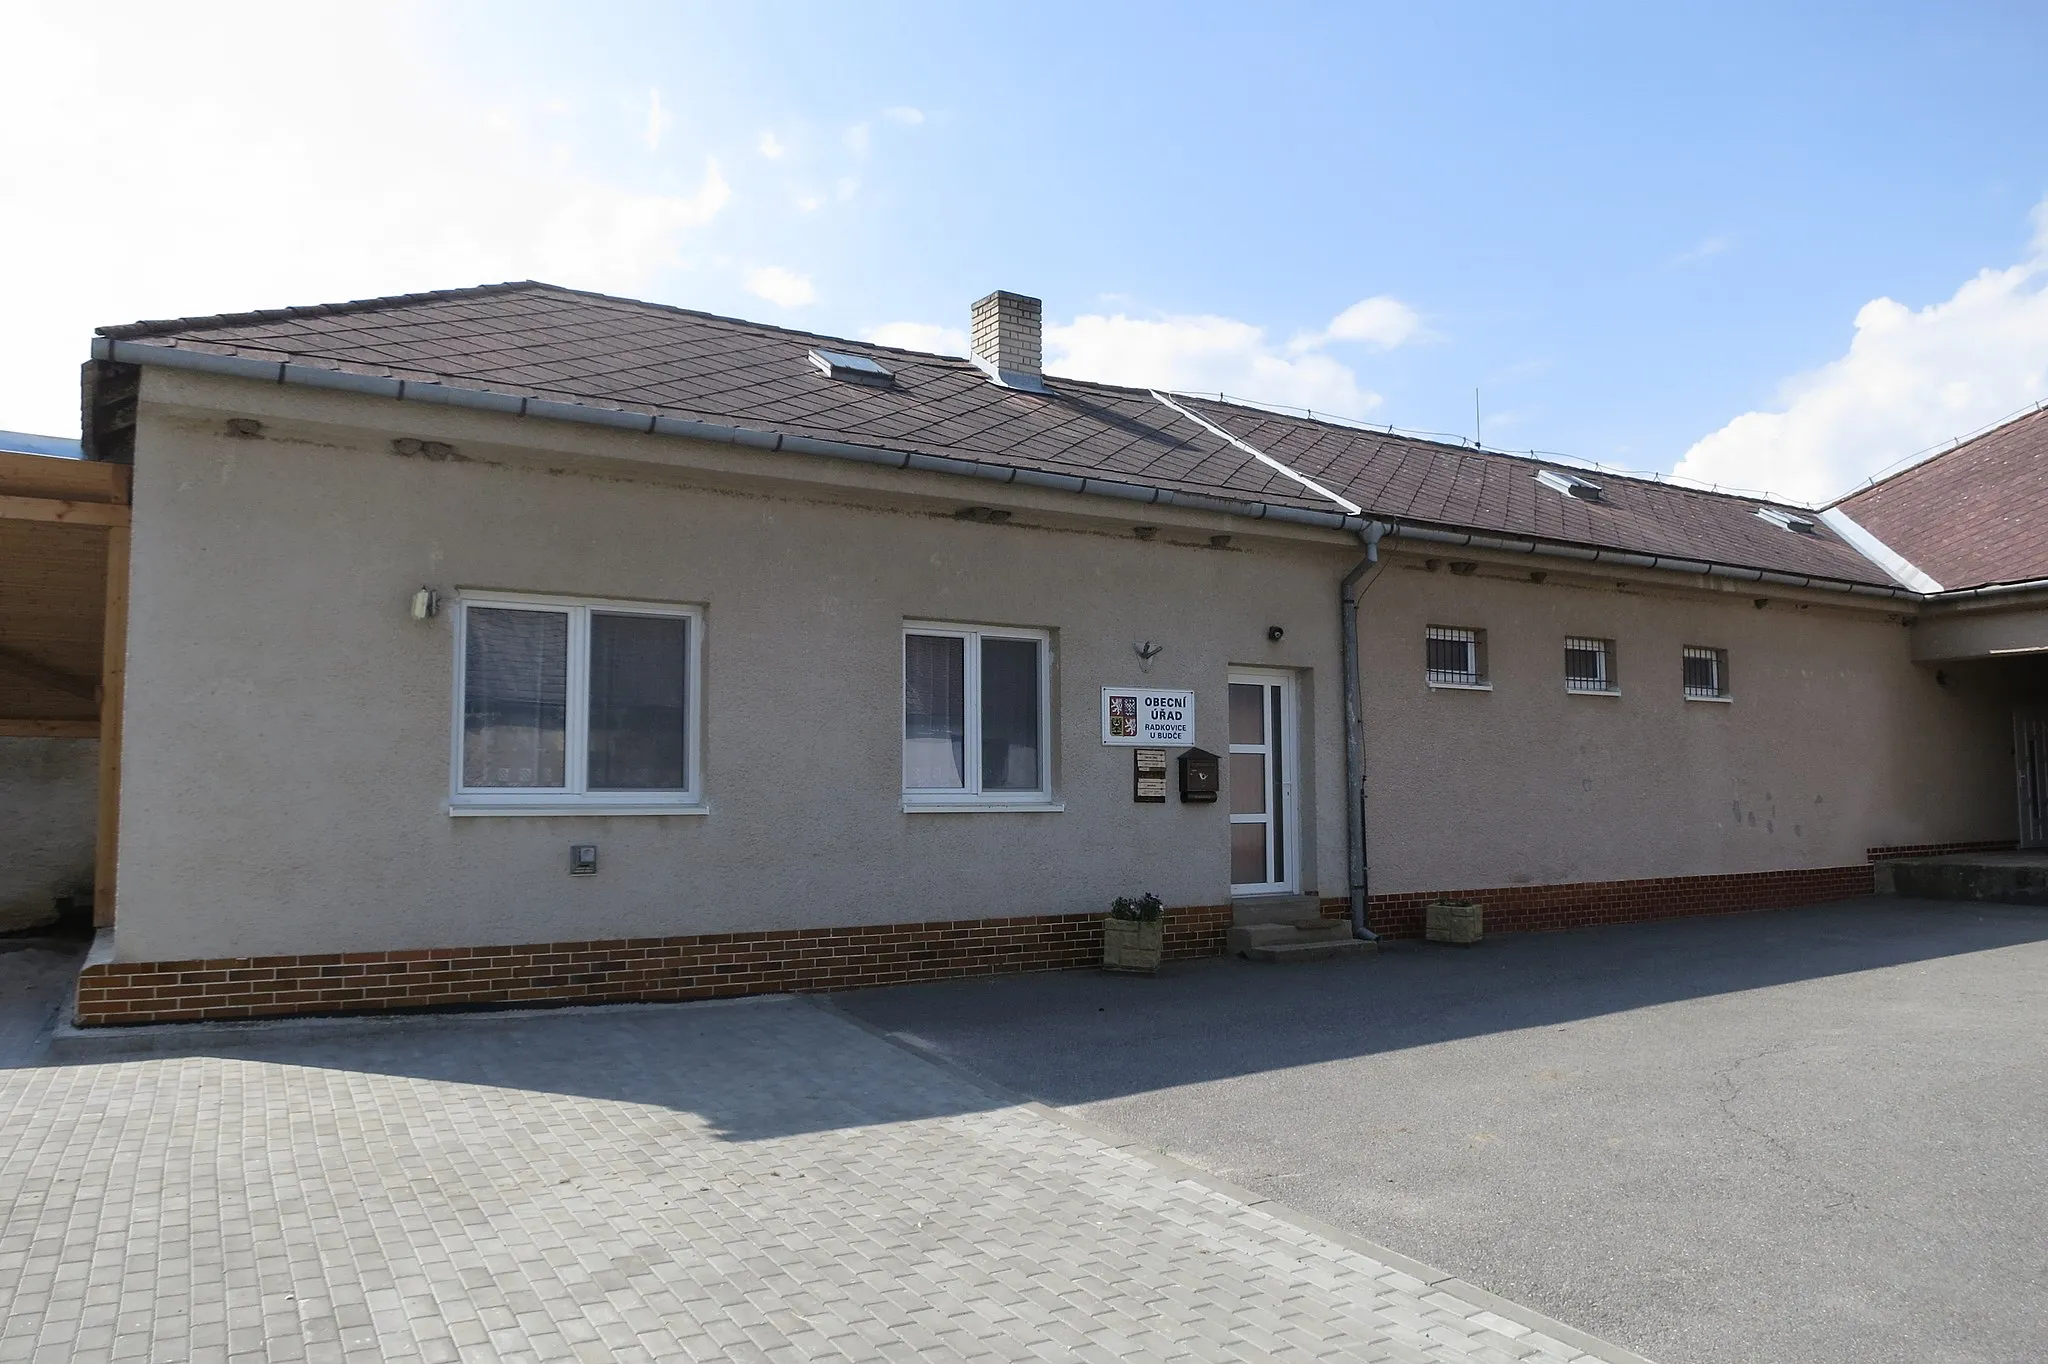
{"points": [[510, 404]]}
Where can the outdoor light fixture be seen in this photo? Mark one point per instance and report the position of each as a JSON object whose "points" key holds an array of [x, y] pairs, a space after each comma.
{"points": [[426, 604], [1275, 633]]}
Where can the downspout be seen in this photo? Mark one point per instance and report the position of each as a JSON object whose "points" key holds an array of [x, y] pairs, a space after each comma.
{"points": [[1354, 732]]}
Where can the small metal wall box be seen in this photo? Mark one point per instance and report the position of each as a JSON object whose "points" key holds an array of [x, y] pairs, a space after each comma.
{"points": [[1201, 776], [583, 859]]}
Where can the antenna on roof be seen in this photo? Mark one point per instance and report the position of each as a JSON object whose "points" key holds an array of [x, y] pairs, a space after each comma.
{"points": [[1477, 444]]}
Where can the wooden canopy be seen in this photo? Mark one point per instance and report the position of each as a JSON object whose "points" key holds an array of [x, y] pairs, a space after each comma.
{"points": [[64, 617]]}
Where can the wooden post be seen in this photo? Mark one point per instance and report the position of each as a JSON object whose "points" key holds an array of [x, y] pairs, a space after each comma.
{"points": [[113, 678]]}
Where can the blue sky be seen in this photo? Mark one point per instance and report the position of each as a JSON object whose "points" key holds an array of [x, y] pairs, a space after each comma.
{"points": [[1646, 237]]}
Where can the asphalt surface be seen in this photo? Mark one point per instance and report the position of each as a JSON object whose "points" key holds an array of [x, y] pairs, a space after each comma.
{"points": [[1814, 1134]]}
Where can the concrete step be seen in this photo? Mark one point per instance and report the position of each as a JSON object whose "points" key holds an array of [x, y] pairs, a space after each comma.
{"points": [[1245, 936], [2015, 878], [1275, 909], [1320, 950]]}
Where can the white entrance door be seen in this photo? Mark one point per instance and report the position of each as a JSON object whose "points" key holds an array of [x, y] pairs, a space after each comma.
{"points": [[1263, 834]]}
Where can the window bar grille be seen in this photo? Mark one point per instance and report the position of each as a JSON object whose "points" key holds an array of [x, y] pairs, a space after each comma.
{"points": [[1586, 665], [1704, 672], [1452, 655]]}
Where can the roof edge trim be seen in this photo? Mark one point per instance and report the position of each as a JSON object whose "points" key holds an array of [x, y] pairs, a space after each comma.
{"points": [[1901, 569], [1692, 567], [549, 409], [1351, 508]]}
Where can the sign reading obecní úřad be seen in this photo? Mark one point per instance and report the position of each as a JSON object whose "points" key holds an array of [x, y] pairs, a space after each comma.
{"points": [[1134, 716]]}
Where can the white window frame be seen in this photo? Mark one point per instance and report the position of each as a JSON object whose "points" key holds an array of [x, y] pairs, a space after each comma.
{"points": [[1722, 692], [1603, 685], [1474, 640], [574, 797], [970, 797]]}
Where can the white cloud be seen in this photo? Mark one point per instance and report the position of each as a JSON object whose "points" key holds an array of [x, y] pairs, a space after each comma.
{"points": [[905, 115], [1712, 246], [1204, 354], [779, 286], [809, 203], [858, 138], [308, 205], [925, 336], [1380, 321], [771, 146], [1909, 380], [659, 121]]}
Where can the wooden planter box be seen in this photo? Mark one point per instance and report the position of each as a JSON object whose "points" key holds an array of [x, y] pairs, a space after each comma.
{"points": [[1454, 921], [1132, 945]]}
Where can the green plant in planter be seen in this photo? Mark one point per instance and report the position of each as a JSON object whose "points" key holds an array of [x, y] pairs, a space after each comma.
{"points": [[1144, 909], [1134, 934]]}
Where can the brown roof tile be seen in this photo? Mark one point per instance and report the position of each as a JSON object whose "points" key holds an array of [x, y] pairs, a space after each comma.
{"points": [[540, 341], [1973, 515]]}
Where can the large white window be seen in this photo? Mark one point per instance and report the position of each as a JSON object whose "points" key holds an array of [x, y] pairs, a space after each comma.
{"points": [[977, 716], [566, 706]]}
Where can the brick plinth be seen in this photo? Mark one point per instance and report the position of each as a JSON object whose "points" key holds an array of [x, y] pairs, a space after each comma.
{"points": [[706, 966], [712, 965], [1588, 904], [1938, 849]]}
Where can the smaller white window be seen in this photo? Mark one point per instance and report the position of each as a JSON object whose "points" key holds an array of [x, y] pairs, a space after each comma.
{"points": [[1706, 673], [977, 716], [567, 706], [1454, 656], [1589, 666]]}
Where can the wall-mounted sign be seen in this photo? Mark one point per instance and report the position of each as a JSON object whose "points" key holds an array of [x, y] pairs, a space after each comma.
{"points": [[1148, 776], [1144, 715]]}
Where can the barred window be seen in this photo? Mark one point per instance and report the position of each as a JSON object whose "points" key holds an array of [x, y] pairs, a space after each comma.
{"points": [[1589, 665], [1454, 656], [1706, 673]]}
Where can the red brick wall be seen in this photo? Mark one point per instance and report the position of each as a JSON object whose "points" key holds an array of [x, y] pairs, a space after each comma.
{"points": [[717, 964], [703, 967], [1937, 849], [1587, 904]]}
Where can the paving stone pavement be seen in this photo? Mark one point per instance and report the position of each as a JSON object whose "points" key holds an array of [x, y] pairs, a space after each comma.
{"points": [[764, 1181]]}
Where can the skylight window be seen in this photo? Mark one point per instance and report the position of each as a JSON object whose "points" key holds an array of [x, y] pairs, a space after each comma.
{"points": [[851, 369], [1571, 485], [1785, 520]]}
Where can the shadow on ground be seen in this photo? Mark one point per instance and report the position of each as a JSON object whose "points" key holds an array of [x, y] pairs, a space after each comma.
{"points": [[1083, 1036], [1209, 1020]]}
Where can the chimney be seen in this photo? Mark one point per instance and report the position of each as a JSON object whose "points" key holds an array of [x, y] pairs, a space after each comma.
{"points": [[1008, 336]]}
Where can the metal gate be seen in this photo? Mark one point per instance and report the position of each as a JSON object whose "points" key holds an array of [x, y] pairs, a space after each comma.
{"points": [[2030, 756]]}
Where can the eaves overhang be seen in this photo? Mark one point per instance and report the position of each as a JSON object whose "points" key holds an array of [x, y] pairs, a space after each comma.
{"points": [[553, 409], [319, 377]]}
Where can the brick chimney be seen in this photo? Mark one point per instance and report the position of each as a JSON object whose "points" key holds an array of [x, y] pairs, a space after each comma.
{"points": [[1009, 345]]}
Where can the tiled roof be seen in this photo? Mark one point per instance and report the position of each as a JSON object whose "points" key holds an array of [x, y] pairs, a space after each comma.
{"points": [[541, 341], [1970, 516]]}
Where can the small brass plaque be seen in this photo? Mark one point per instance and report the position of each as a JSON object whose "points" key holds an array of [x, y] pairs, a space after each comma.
{"points": [[1148, 776]]}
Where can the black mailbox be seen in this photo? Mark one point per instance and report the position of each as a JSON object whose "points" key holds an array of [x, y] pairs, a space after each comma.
{"points": [[1201, 775]]}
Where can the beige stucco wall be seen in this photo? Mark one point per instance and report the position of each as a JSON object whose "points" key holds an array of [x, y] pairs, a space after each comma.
{"points": [[1835, 741], [287, 741], [1947, 634], [48, 817]]}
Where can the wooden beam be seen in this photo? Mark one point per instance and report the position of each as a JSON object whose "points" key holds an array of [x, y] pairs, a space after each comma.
{"points": [[113, 687], [57, 509], [33, 669], [71, 480], [49, 729]]}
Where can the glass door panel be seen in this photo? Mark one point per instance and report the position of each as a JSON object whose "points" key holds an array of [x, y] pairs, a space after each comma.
{"points": [[1261, 783]]}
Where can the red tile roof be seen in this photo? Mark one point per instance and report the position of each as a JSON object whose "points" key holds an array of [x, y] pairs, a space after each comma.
{"points": [[540, 341], [1973, 515]]}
